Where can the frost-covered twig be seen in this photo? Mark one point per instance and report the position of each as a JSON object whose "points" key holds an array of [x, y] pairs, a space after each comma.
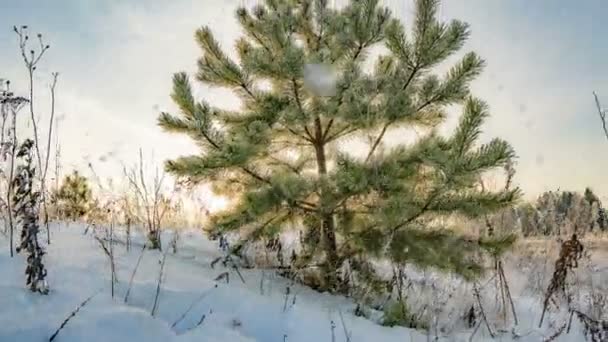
{"points": [[71, 315]]}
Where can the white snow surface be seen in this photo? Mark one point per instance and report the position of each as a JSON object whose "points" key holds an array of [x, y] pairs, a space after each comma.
{"points": [[256, 310]]}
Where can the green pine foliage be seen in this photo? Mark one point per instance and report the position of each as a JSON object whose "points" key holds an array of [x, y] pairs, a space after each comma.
{"points": [[282, 154], [74, 198], [397, 313]]}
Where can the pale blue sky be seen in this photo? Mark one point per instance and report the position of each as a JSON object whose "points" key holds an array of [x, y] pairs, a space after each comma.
{"points": [[116, 59]]}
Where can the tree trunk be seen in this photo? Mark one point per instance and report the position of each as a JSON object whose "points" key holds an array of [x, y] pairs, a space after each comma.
{"points": [[328, 235]]}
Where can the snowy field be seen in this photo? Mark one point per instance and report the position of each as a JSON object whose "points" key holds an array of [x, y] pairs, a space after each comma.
{"points": [[256, 310]]}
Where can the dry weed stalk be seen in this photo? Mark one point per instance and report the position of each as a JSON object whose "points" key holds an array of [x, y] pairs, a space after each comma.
{"points": [[174, 241], [141, 254], [481, 310], [72, 315], [570, 253], [558, 332], [31, 61], [602, 114], [595, 330], [223, 275], [194, 303], [110, 254], [227, 260], [503, 291], [128, 235], [347, 334], [159, 284], [10, 105]]}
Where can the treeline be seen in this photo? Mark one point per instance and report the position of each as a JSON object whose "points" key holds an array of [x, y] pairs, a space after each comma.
{"points": [[555, 213]]}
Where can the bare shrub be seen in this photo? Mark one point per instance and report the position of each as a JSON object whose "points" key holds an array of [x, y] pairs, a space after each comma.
{"points": [[151, 205]]}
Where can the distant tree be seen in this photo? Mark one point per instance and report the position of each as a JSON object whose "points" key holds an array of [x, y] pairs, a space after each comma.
{"points": [[590, 196], [74, 197], [284, 157]]}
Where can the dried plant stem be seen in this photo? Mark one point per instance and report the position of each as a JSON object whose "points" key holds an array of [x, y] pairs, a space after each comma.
{"points": [[159, 284], [475, 331], [287, 292], [507, 291], [332, 326], [346, 332], [141, 254], [72, 315], [110, 256], [9, 200], [45, 168], [201, 320], [155, 205], [570, 253], [192, 305], [31, 64], [556, 334], [481, 310], [602, 114]]}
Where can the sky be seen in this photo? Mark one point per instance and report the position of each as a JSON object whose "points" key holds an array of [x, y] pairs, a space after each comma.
{"points": [[116, 59]]}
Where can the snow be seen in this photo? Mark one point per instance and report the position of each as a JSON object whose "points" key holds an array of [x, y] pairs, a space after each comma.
{"points": [[256, 310]]}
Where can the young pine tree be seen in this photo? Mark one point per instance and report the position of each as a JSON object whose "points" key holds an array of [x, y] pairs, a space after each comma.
{"points": [[74, 197], [26, 202], [284, 155]]}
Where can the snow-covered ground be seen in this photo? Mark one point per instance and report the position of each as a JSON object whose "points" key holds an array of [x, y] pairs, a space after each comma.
{"points": [[257, 310]]}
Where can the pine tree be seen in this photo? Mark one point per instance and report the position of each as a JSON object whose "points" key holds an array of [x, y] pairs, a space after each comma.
{"points": [[26, 203], [284, 154], [74, 197]]}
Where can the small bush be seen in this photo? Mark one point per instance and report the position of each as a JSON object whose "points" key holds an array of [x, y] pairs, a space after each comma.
{"points": [[74, 198], [398, 314]]}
